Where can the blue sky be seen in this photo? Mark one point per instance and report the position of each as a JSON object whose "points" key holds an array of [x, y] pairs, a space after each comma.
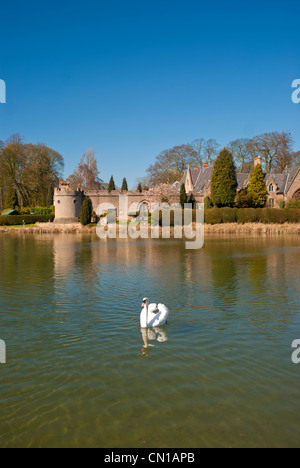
{"points": [[132, 78]]}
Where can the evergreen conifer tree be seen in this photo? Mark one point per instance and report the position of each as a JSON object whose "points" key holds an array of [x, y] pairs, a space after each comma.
{"points": [[86, 212], [183, 195], [243, 199], [224, 182], [111, 185], [257, 187], [124, 187], [207, 203]]}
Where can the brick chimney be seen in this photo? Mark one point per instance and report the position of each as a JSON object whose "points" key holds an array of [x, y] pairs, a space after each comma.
{"points": [[205, 166]]}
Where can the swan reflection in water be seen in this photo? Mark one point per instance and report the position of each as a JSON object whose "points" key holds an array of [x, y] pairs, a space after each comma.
{"points": [[159, 334]]}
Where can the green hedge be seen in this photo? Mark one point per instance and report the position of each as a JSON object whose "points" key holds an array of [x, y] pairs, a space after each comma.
{"points": [[213, 216], [228, 215], [252, 215], [245, 215], [19, 220], [36, 210], [172, 217], [293, 215]]}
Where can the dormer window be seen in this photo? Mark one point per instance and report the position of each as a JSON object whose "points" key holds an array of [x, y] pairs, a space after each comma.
{"points": [[271, 188]]}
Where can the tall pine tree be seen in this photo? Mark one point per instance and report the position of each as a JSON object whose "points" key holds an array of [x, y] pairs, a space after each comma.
{"points": [[124, 187], [183, 195], [257, 187], [224, 182], [111, 185], [86, 212]]}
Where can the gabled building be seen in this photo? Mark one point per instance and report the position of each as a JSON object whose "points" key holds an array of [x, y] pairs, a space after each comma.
{"points": [[281, 187]]}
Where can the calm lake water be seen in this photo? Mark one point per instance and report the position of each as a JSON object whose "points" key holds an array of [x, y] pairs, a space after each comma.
{"points": [[218, 375]]}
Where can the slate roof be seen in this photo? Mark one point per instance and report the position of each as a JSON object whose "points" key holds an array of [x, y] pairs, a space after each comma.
{"points": [[202, 179], [284, 180], [194, 175], [291, 173], [242, 180], [175, 186]]}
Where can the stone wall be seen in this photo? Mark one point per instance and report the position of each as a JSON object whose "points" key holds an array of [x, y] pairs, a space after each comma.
{"points": [[68, 202]]}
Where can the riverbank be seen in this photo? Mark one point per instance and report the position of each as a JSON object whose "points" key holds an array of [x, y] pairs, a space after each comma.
{"points": [[226, 228]]}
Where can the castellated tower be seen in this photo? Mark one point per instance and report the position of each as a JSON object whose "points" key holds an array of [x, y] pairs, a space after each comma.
{"points": [[67, 203]]}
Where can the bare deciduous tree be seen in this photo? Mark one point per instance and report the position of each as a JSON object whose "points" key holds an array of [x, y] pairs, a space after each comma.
{"points": [[275, 149], [243, 154], [205, 151], [86, 176], [171, 164]]}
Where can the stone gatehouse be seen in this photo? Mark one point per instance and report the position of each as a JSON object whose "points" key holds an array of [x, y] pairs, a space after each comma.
{"points": [[68, 202]]}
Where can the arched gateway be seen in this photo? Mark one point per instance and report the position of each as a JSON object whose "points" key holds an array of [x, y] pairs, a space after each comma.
{"points": [[296, 195]]}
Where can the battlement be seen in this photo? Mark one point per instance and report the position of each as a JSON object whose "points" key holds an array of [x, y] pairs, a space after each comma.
{"points": [[64, 188]]}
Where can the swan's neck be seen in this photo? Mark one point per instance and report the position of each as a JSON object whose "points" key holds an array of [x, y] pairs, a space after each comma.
{"points": [[146, 306]]}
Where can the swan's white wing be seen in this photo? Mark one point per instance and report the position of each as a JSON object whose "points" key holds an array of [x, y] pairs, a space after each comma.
{"points": [[163, 309], [161, 317], [152, 308]]}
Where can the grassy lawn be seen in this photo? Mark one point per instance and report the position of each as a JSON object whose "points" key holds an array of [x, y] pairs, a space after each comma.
{"points": [[20, 225]]}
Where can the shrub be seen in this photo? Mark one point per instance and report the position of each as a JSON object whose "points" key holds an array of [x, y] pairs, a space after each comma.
{"points": [[86, 212], [228, 215], [246, 215], [293, 204], [183, 195], [293, 215], [273, 216], [213, 216], [19, 220], [208, 204], [172, 217], [243, 216], [37, 210], [243, 199], [257, 187]]}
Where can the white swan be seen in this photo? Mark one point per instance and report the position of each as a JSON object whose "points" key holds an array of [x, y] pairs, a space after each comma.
{"points": [[148, 316]]}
